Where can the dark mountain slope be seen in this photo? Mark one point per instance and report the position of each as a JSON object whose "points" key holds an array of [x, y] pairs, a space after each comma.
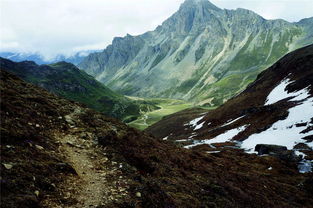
{"points": [[68, 81], [43, 138], [275, 109]]}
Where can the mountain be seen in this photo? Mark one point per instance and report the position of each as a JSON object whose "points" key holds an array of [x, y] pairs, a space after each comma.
{"points": [[68, 81], [45, 162], [39, 59], [201, 53], [276, 109]]}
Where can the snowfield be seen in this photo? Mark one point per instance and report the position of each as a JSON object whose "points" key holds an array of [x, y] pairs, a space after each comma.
{"points": [[279, 93], [285, 132]]}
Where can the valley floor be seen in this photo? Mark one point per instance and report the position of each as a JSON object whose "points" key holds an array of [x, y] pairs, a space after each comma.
{"points": [[167, 107]]}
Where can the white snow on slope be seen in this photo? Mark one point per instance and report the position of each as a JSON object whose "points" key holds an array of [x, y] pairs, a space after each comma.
{"points": [[280, 93], [284, 132], [194, 122], [212, 152], [232, 121], [226, 136], [301, 94], [305, 166], [182, 140], [199, 126]]}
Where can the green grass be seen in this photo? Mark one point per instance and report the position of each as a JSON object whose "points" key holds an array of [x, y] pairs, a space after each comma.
{"points": [[167, 107]]}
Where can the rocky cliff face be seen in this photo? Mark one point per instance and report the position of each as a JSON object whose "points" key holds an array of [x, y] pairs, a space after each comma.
{"points": [[201, 53]]}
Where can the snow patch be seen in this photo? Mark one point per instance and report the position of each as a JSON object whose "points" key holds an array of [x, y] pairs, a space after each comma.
{"points": [[280, 93], [182, 140], [192, 135], [225, 137], [305, 166], [285, 132], [232, 121], [199, 126], [194, 122], [211, 152], [165, 138], [298, 153]]}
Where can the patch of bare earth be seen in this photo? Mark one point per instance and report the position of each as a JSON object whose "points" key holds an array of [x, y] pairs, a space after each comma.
{"points": [[98, 181]]}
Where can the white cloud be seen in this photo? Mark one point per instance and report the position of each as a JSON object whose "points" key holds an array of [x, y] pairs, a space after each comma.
{"points": [[51, 27], [290, 10]]}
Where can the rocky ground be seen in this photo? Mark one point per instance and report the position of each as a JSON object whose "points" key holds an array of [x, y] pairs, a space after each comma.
{"points": [[56, 153]]}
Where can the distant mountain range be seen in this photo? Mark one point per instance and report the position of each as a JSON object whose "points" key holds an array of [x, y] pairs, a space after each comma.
{"points": [[39, 59], [66, 80], [201, 53]]}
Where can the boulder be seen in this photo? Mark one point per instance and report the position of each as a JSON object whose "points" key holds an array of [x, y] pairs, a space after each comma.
{"points": [[278, 151], [107, 138], [65, 167], [269, 149]]}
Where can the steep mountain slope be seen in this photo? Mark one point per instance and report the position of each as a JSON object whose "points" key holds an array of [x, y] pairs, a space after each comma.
{"points": [[201, 53], [45, 162], [275, 109], [68, 81]]}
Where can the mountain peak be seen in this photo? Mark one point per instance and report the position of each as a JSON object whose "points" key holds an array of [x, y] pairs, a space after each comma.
{"points": [[204, 3]]}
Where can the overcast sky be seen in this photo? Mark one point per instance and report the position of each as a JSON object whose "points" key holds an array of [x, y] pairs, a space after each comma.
{"points": [[53, 27]]}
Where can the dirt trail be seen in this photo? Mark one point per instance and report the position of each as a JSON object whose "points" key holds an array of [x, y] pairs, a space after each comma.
{"points": [[99, 182]]}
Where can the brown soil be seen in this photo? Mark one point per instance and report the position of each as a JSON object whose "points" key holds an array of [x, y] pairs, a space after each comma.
{"points": [[99, 181], [64, 140]]}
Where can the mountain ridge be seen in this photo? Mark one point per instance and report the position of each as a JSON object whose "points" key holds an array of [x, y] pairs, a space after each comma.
{"points": [[66, 80], [197, 54]]}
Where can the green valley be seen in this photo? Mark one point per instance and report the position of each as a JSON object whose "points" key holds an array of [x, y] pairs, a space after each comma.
{"points": [[166, 107]]}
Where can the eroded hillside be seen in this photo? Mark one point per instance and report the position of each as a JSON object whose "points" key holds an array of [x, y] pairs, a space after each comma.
{"points": [[56, 153]]}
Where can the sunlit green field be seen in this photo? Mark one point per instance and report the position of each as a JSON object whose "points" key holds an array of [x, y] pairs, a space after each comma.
{"points": [[168, 106]]}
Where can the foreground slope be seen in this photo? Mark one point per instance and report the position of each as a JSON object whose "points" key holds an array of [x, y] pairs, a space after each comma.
{"points": [[56, 153], [201, 53], [68, 81], [275, 109]]}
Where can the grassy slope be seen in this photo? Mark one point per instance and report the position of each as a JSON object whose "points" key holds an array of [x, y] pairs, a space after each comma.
{"points": [[66, 80], [253, 61], [167, 107]]}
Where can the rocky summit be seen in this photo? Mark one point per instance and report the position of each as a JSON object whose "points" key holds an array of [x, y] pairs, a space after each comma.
{"points": [[201, 53]]}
